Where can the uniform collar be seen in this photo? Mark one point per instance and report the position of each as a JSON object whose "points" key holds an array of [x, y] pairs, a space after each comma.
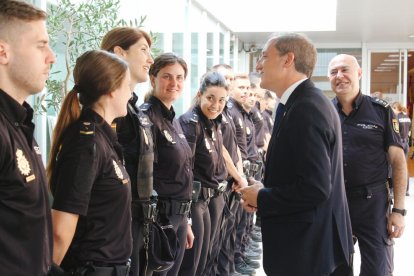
{"points": [[355, 105], [238, 105], [166, 113], [134, 99], [15, 112]]}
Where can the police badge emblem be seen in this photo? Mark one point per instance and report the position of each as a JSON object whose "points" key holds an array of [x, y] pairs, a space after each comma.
{"points": [[240, 123], [145, 138], [207, 144], [118, 171], [247, 130], [395, 125], [168, 136], [24, 166], [22, 163]]}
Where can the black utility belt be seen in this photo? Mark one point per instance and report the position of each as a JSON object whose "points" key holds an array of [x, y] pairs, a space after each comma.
{"points": [[92, 269], [144, 209], [167, 206], [367, 190], [207, 193]]}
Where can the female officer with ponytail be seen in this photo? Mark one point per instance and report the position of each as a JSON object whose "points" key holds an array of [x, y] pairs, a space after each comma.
{"points": [[92, 199]]}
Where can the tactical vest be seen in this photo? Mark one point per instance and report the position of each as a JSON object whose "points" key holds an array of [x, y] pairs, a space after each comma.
{"points": [[146, 145]]}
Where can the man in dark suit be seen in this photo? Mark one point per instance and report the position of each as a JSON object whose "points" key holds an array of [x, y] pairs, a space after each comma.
{"points": [[305, 219]]}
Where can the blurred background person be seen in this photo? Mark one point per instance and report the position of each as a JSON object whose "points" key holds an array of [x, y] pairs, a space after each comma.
{"points": [[404, 123], [92, 199]]}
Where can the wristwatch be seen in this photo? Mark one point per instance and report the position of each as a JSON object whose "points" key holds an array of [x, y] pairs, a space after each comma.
{"points": [[399, 211]]}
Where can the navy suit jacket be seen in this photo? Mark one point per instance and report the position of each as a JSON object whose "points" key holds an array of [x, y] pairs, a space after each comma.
{"points": [[305, 219]]}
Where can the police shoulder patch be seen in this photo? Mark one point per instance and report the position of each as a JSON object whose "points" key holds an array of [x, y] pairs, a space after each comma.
{"points": [[395, 126], [380, 102], [145, 106], [87, 128], [230, 105], [194, 117]]}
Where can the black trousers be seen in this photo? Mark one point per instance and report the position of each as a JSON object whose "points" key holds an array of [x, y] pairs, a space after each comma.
{"points": [[225, 265], [216, 207], [195, 258], [180, 224], [369, 225], [138, 260]]}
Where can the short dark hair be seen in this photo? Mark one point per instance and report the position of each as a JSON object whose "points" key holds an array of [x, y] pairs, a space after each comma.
{"points": [[164, 60], [212, 78]]}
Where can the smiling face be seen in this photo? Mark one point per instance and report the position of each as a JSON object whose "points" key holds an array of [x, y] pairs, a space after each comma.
{"points": [[212, 101], [344, 74], [26, 59], [168, 84], [139, 61], [271, 67]]}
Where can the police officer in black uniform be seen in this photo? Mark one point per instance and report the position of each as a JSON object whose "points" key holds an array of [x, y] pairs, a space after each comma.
{"points": [[201, 126], [369, 133], [134, 134], [92, 197], [26, 230], [224, 264], [404, 123], [172, 166], [238, 97], [267, 105]]}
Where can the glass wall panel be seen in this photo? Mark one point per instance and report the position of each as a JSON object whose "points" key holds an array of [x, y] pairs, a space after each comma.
{"points": [[209, 50], [194, 64], [221, 41], [178, 43]]}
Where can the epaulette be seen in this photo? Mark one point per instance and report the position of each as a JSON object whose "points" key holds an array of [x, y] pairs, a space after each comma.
{"points": [[87, 128], [145, 106], [229, 104], [194, 118], [380, 102]]}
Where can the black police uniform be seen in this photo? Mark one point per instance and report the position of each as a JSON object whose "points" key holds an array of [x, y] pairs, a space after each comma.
{"points": [[205, 140], [268, 118], [237, 114], [26, 230], [405, 128], [91, 181], [173, 174], [225, 260], [260, 126], [367, 133], [135, 136]]}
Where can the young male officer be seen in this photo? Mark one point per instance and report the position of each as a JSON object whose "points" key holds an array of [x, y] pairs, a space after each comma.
{"points": [[25, 59]]}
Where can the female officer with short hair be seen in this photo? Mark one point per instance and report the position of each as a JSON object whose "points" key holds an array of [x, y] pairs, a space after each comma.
{"points": [[172, 165]]}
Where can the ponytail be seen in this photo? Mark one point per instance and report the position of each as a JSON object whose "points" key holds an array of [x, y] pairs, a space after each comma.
{"points": [[69, 113]]}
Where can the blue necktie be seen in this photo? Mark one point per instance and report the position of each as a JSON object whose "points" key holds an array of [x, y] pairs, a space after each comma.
{"points": [[278, 117]]}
